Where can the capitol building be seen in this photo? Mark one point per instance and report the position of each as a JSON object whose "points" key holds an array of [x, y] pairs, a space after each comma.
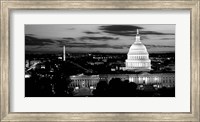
{"points": [[137, 69], [138, 57]]}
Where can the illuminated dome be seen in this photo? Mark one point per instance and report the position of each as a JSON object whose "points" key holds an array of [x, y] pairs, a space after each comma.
{"points": [[138, 57], [137, 48]]}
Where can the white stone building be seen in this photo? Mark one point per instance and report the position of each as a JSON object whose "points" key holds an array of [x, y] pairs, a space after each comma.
{"points": [[138, 57]]}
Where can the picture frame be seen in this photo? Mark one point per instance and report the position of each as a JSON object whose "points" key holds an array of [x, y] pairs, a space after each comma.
{"points": [[8, 6]]}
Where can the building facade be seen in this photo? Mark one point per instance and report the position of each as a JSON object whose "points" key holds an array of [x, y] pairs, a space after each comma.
{"points": [[91, 81], [82, 81]]}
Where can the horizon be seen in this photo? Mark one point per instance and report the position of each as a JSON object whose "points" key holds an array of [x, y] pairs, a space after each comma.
{"points": [[92, 53]]}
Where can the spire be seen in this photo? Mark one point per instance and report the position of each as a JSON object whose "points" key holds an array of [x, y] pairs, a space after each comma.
{"points": [[137, 31], [137, 38]]}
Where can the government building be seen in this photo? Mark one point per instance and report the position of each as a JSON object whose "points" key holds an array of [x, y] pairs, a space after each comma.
{"points": [[138, 57], [138, 66], [158, 79]]}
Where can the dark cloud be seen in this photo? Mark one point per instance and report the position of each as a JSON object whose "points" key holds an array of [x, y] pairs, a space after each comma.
{"points": [[90, 32], [120, 28], [69, 39], [92, 45], [117, 47], [102, 38], [159, 46], [168, 38], [65, 41], [151, 46], [123, 30], [128, 30], [154, 33], [143, 38], [29, 40]]}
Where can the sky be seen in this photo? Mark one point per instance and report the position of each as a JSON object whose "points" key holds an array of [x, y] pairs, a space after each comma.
{"points": [[97, 38]]}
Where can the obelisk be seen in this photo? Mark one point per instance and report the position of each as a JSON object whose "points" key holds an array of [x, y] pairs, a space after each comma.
{"points": [[64, 53]]}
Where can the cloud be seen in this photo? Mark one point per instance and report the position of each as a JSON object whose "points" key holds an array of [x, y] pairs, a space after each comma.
{"points": [[92, 45], [123, 30], [143, 38], [90, 32], [128, 30], [102, 38], [29, 40], [154, 33], [65, 41], [159, 46], [62, 42], [168, 38], [120, 28], [69, 39]]}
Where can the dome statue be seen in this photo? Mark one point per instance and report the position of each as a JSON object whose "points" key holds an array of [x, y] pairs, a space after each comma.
{"points": [[138, 56]]}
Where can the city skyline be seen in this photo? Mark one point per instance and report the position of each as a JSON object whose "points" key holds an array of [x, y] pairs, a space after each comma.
{"points": [[93, 38]]}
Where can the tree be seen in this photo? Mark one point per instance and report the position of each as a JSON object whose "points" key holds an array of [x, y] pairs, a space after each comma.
{"points": [[115, 87], [101, 90], [119, 88]]}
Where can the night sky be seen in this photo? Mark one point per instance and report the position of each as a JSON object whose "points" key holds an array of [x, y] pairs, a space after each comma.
{"points": [[93, 38]]}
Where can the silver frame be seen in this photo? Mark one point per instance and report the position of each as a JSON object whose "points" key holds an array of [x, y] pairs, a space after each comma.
{"points": [[7, 6]]}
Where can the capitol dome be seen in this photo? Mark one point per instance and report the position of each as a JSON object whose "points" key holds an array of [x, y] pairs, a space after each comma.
{"points": [[138, 56], [137, 48]]}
